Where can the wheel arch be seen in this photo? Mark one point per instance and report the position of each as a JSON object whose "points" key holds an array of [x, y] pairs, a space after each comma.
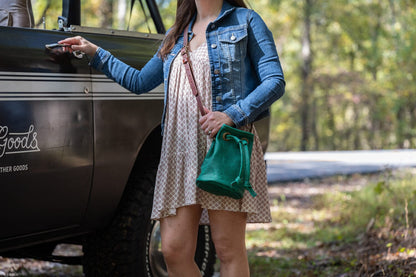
{"points": [[107, 192], [149, 149]]}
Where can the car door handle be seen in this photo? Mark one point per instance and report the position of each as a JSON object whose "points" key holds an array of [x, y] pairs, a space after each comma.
{"points": [[77, 54]]}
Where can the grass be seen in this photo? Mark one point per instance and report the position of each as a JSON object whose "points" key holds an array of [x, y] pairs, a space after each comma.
{"points": [[355, 226], [338, 227]]}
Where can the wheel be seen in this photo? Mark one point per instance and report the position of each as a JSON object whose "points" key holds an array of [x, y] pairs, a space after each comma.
{"points": [[130, 246], [204, 256]]}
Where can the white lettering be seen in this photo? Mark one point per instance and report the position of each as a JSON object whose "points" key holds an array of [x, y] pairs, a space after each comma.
{"points": [[13, 143], [5, 169], [14, 168], [22, 167], [3, 141]]}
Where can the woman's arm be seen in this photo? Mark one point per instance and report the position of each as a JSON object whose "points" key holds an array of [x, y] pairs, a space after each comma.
{"points": [[265, 61], [137, 81], [263, 55]]}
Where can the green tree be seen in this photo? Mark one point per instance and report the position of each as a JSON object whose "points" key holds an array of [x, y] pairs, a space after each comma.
{"points": [[349, 66]]}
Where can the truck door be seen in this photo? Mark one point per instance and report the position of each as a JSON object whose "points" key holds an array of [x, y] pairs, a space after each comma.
{"points": [[46, 134]]}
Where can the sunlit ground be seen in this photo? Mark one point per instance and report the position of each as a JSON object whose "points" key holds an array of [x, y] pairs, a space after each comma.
{"points": [[340, 226]]}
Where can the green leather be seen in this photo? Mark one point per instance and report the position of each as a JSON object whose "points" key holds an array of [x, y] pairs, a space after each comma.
{"points": [[226, 168]]}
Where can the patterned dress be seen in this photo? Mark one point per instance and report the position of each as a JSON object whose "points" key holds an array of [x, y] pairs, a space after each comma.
{"points": [[185, 145]]}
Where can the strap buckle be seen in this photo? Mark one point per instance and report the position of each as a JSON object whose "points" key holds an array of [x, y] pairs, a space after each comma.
{"points": [[184, 52]]}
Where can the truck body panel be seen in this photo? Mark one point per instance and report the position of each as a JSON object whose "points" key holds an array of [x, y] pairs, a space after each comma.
{"points": [[70, 138]]}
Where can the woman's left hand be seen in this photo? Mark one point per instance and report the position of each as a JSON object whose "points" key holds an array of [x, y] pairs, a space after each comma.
{"points": [[212, 122]]}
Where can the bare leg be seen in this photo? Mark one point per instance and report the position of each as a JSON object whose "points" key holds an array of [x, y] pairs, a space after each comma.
{"points": [[179, 238], [228, 233]]}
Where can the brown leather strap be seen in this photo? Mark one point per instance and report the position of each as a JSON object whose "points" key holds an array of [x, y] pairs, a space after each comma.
{"points": [[189, 72]]}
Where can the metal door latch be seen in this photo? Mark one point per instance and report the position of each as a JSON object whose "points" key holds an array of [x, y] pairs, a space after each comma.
{"points": [[77, 54]]}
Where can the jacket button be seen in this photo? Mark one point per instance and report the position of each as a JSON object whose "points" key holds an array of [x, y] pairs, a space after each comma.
{"points": [[213, 46], [233, 38], [218, 99], [216, 71]]}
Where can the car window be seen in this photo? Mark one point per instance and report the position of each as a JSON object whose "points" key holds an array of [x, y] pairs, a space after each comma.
{"points": [[45, 13], [109, 14]]}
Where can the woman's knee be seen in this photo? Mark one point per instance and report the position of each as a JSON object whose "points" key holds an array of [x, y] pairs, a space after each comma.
{"points": [[175, 250], [228, 234], [176, 246], [229, 249], [224, 253]]}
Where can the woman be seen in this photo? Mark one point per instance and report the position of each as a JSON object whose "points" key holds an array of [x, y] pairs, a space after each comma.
{"points": [[238, 74]]}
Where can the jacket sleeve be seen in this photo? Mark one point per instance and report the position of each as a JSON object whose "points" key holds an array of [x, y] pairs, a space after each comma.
{"points": [[137, 81], [261, 51]]}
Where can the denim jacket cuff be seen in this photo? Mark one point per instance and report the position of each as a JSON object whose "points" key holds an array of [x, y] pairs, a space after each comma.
{"points": [[237, 115], [100, 57]]}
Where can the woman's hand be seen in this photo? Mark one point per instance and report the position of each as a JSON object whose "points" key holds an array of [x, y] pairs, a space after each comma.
{"points": [[80, 44], [212, 122]]}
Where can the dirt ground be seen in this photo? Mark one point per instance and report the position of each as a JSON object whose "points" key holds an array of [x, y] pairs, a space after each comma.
{"points": [[32, 267], [297, 198], [368, 255]]}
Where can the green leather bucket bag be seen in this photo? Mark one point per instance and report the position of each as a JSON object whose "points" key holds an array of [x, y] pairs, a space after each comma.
{"points": [[226, 168]]}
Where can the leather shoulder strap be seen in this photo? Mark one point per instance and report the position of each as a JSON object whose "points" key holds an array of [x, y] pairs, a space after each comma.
{"points": [[186, 61]]}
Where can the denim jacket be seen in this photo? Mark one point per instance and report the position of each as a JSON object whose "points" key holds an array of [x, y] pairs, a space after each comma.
{"points": [[246, 74]]}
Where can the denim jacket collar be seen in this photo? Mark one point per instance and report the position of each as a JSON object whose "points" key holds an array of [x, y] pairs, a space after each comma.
{"points": [[226, 9]]}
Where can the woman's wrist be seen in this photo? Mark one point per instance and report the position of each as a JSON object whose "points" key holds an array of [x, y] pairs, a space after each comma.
{"points": [[92, 51]]}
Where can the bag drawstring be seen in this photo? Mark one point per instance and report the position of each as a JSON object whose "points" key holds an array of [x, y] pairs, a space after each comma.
{"points": [[244, 165]]}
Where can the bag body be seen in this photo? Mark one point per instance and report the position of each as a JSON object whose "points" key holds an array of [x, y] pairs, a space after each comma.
{"points": [[226, 168]]}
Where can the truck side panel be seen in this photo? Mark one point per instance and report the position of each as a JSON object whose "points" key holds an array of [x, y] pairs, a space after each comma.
{"points": [[46, 138], [122, 122]]}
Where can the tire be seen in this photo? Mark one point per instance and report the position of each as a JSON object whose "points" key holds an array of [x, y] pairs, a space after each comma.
{"points": [[130, 246], [204, 256]]}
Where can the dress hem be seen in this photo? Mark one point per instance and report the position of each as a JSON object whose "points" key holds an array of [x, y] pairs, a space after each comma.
{"points": [[172, 212]]}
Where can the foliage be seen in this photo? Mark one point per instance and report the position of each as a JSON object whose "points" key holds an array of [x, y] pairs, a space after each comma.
{"points": [[361, 81], [354, 227], [113, 14]]}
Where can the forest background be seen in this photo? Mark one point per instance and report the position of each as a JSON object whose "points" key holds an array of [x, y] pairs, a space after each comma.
{"points": [[349, 66]]}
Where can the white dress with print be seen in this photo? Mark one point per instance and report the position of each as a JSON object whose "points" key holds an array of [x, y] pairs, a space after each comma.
{"points": [[185, 145]]}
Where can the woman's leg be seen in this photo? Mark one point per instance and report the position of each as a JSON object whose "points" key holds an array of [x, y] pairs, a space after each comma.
{"points": [[228, 231], [179, 238]]}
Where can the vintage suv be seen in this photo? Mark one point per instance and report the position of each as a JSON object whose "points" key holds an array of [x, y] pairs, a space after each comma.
{"points": [[79, 153]]}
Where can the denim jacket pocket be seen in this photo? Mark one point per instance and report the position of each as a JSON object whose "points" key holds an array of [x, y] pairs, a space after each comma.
{"points": [[234, 43]]}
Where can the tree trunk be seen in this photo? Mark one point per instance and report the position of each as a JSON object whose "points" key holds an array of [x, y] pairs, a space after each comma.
{"points": [[307, 90], [43, 13], [374, 41], [106, 14], [331, 121], [314, 126], [121, 18], [400, 118], [412, 125]]}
